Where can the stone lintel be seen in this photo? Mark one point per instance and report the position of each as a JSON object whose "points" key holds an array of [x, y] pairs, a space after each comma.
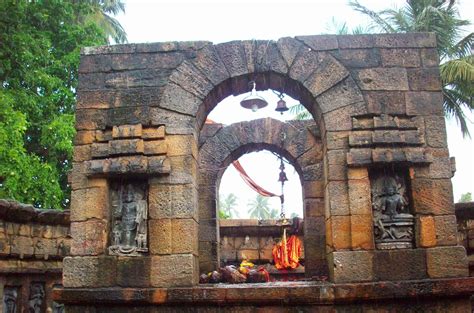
{"points": [[279, 293]]}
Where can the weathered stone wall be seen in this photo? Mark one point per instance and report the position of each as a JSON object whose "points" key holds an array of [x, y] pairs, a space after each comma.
{"points": [[376, 100], [32, 245], [465, 234]]}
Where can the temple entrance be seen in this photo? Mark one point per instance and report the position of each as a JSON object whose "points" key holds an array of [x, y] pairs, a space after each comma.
{"points": [[260, 211]]}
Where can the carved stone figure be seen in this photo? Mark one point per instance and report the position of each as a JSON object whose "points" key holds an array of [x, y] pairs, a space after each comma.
{"points": [[130, 214], [10, 296], [35, 302], [393, 223]]}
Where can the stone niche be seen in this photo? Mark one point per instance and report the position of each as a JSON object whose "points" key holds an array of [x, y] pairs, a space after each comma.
{"points": [[129, 215], [393, 220]]}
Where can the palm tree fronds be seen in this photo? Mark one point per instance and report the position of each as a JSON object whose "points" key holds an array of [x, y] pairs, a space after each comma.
{"points": [[458, 70]]}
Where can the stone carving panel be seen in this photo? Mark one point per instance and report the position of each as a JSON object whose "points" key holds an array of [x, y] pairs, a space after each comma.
{"points": [[393, 222], [10, 299], [129, 218], [36, 299]]}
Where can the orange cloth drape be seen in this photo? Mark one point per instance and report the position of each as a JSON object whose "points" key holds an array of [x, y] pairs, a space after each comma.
{"points": [[286, 253], [249, 181]]}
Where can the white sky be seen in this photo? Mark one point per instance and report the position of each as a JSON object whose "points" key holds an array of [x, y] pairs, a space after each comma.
{"points": [[222, 21]]}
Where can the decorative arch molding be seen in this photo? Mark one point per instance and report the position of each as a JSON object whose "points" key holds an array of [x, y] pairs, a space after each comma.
{"points": [[301, 67], [297, 141]]}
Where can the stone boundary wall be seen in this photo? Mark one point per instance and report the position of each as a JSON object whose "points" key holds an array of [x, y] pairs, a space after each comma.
{"points": [[32, 245], [465, 220]]}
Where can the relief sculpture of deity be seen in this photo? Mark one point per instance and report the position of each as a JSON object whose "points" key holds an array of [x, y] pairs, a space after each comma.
{"points": [[130, 214], [393, 223], [35, 302], [10, 296]]}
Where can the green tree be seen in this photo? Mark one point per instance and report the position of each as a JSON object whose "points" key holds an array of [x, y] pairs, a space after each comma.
{"points": [[39, 57], [454, 46], [259, 208], [466, 197], [227, 206]]}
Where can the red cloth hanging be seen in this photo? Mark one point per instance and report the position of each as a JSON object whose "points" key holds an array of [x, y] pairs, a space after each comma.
{"points": [[249, 181]]}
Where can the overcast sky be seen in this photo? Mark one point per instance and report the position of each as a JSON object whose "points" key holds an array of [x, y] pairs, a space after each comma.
{"points": [[222, 21]]}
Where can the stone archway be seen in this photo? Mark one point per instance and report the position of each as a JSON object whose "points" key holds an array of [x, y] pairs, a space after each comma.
{"points": [[377, 103], [298, 142]]}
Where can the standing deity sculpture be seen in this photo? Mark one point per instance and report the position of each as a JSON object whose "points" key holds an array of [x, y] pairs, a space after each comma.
{"points": [[35, 302], [393, 223], [130, 214], [10, 296]]}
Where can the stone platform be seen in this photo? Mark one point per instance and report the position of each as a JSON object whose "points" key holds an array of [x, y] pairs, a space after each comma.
{"points": [[440, 295]]}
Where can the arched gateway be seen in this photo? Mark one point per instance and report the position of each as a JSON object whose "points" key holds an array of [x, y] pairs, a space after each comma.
{"points": [[384, 189]]}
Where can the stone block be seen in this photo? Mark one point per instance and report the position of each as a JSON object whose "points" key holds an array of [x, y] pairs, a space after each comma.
{"points": [[359, 195], [400, 57], [82, 153], [426, 231], [392, 137], [90, 119], [446, 230], [328, 73], [303, 65], [233, 57], [126, 146], [362, 234], [263, 56], [208, 61], [313, 189], [137, 78], [351, 266], [358, 157], [314, 207], [337, 140], [424, 103], [174, 270], [89, 237], [359, 173], [153, 132], [128, 116], [179, 145], [354, 58], [443, 262], [184, 238], [155, 147], [89, 203], [339, 96], [435, 129], [133, 271], [429, 57], [45, 248], [406, 40], [208, 230], [385, 102], [100, 150], [362, 123], [432, 196], [320, 42], [337, 192], [341, 232], [160, 234], [440, 166], [127, 131], [89, 272], [289, 48], [405, 264], [424, 79], [341, 119], [179, 100], [84, 137], [382, 79], [360, 139], [355, 41], [167, 201], [21, 246], [103, 135]]}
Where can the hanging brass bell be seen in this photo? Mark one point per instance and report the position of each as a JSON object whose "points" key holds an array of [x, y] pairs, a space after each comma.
{"points": [[281, 106]]}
